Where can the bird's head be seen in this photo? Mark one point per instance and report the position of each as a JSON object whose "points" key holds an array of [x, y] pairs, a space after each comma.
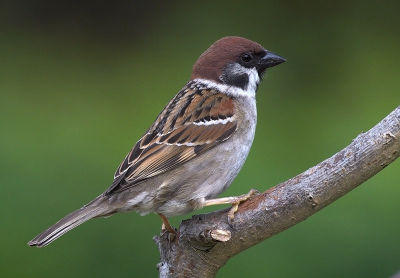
{"points": [[235, 61]]}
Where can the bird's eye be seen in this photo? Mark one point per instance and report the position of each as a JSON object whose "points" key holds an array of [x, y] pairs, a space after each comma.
{"points": [[246, 57]]}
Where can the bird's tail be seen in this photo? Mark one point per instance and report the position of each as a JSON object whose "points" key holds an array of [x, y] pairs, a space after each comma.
{"points": [[69, 222]]}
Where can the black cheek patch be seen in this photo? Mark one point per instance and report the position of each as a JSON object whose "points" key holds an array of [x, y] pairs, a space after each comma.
{"points": [[238, 80]]}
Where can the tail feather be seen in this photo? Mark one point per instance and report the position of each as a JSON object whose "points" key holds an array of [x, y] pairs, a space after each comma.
{"points": [[68, 223]]}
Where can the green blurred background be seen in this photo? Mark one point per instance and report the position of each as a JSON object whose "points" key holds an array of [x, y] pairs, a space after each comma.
{"points": [[81, 81]]}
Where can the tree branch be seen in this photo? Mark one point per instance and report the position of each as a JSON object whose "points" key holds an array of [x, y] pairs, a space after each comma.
{"points": [[206, 242]]}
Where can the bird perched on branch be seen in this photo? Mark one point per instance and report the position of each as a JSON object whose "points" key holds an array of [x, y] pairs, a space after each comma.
{"points": [[196, 146]]}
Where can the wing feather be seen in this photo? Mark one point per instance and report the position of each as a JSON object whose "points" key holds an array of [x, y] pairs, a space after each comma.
{"points": [[193, 122]]}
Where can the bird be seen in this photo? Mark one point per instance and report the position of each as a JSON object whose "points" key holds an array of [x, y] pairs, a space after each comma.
{"points": [[196, 146]]}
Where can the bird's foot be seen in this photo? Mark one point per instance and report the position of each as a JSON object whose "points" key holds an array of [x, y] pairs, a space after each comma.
{"points": [[234, 201], [167, 228]]}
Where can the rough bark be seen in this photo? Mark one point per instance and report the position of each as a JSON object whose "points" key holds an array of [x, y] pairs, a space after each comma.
{"points": [[206, 242]]}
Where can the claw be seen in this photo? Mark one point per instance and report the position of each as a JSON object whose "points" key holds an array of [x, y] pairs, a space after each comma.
{"points": [[234, 201]]}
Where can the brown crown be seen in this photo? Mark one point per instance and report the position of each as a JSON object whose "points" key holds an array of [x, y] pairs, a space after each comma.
{"points": [[224, 51]]}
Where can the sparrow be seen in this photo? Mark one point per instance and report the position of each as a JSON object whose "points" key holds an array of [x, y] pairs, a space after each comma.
{"points": [[196, 146]]}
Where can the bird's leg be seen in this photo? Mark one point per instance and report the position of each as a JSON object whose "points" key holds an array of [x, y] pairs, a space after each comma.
{"points": [[166, 225], [234, 201]]}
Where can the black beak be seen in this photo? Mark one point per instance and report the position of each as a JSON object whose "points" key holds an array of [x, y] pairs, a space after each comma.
{"points": [[270, 60]]}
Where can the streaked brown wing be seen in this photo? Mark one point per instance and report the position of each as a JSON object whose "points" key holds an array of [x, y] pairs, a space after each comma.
{"points": [[201, 120]]}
